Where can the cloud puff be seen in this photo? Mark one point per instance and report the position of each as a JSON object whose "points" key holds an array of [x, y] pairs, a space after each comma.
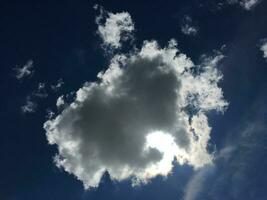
{"points": [[29, 107], [41, 91], [148, 107], [49, 114], [58, 85], [60, 102], [187, 27], [31, 104], [246, 4], [25, 70], [263, 48], [114, 28]]}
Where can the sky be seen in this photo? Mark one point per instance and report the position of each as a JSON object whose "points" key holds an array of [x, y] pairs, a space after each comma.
{"points": [[133, 100]]}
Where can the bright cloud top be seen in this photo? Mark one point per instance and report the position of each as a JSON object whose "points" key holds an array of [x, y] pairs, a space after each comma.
{"points": [[148, 107], [114, 28]]}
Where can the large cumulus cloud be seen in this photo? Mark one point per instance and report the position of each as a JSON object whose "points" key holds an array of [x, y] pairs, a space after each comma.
{"points": [[147, 108]]}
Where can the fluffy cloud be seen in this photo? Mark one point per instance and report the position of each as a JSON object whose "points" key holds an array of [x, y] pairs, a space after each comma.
{"points": [[146, 109], [25, 70], [263, 48], [114, 28], [246, 4], [60, 101], [187, 27]]}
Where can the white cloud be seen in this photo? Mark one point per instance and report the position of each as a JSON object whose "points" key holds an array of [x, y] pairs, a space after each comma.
{"points": [[25, 70], [246, 4], [114, 28], [29, 107], [187, 26], [148, 107], [60, 102], [263, 48]]}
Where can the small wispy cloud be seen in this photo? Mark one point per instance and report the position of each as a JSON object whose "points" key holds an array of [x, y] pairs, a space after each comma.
{"points": [[188, 27], [246, 4], [263, 48], [58, 85], [30, 106], [41, 91], [24, 71], [49, 114]]}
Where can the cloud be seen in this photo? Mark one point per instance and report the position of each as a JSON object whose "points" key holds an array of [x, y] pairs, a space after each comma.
{"points": [[197, 185], [60, 102], [29, 107], [114, 28], [148, 107], [41, 91], [197, 182], [249, 4], [263, 48], [240, 165], [49, 114], [58, 85], [246, 4], [187, 27], [25, 70]]}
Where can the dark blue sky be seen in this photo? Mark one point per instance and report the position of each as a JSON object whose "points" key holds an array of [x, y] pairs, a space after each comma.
{"points": [[61, 39]]}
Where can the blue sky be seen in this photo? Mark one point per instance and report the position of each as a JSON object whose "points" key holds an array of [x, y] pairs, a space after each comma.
{"points": [[50, 49]]}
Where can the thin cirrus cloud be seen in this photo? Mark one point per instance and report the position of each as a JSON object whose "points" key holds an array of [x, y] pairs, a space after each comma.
{"points": [[235, 162], [197, 182], [24, 71], [147, 108]]}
